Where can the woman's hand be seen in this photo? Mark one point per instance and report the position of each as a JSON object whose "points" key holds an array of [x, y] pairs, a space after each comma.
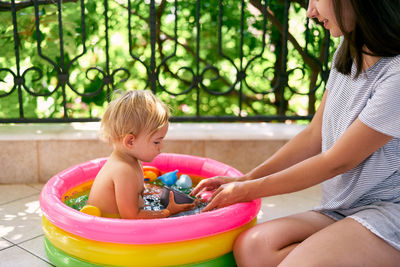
{"points": [[228, 194], [211, 184], [174, 208]]}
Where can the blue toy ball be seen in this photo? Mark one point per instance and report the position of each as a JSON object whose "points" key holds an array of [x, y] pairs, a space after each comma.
{"points": [[169, 178], [184, 181]]}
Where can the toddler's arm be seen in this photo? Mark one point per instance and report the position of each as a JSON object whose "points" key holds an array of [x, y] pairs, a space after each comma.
{"points": [[172, 209], [129, 200]]}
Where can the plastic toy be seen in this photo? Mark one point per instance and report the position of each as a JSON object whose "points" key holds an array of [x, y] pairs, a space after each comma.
{"points": [[149, 176], [184, 181], [150, 173], [169, 178], [179, 197]]}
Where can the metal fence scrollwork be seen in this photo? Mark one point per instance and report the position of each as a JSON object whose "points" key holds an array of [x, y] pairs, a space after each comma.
{"points": [[216, 60]]}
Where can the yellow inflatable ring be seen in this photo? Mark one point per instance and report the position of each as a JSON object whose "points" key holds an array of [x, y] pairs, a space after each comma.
{"points": [[177, 253], [60, 259]]}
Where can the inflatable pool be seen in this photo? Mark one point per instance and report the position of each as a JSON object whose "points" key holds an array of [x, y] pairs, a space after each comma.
{"points": [[73, 238]]}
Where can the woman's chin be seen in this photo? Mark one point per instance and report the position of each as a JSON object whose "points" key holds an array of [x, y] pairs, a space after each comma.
{"points": [[336, 33]]}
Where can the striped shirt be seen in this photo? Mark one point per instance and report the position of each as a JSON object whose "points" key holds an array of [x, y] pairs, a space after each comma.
{"points": [[374, 98]]}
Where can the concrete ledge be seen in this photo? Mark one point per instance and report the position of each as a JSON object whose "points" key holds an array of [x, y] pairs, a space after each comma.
{"points": [[177, 131], [31, 153]]}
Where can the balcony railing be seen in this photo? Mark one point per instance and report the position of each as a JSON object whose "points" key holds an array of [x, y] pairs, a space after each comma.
{"points": [[213, 60]]}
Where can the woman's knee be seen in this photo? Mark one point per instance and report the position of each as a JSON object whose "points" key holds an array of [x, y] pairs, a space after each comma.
{"points": [[270, 242], [252, 247], [246, 243]]}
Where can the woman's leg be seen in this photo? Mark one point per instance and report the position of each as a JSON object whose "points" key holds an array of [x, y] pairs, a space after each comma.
{"points": [[343, 243], [267, 244]]}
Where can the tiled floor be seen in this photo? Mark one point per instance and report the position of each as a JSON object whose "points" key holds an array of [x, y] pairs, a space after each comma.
{"points": [[21, 236]]}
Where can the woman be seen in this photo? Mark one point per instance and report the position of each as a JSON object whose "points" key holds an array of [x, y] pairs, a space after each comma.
{"points": [[352, 147]]}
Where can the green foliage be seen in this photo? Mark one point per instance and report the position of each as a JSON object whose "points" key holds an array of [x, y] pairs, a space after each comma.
{"points": [[94, 72]]}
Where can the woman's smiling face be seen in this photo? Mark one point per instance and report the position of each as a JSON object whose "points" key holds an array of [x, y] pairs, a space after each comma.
{"points": [[323, 10]]}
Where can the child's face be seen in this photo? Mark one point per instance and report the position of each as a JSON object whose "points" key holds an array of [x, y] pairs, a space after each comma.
{"points": [[147, 148]]}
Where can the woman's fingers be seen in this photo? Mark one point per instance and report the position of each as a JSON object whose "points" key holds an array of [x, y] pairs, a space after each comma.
{"points": [[217, 200], [200, 192], [202, 186], [210, 184], [197, 189], [216, 203], [226, 195], [209, 207], [215, 193]]}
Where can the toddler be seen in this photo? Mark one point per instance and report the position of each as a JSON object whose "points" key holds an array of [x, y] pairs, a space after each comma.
{"points": [[135, 125]]}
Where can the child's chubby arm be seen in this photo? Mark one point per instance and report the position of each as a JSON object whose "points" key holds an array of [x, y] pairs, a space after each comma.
{"points": [[128, 189]]}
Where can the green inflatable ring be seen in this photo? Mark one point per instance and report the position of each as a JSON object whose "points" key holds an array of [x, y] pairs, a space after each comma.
{"points": [[61, 259]]}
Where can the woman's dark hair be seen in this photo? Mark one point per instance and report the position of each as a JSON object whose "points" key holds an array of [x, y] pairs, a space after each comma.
{"points": [[377, 26]]}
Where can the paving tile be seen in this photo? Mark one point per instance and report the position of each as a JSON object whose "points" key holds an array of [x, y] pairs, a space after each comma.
{"points": [[313, 193], [21, 220], [283, 205], [13, 192], [4, 244], [36, 247], [16, 256], [37, 186]]}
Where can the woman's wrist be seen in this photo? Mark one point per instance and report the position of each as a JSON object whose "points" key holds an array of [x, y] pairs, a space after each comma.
{"points": [[253, 189], [246, 177]]}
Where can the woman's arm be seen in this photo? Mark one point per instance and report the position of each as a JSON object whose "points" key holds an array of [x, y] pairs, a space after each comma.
{"points": [[304, 145], [357, 143]]}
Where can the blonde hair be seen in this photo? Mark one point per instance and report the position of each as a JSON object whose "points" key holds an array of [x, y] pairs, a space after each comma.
{"points": [[131, 113]]}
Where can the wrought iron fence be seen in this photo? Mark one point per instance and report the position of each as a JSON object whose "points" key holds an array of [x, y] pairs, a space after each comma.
{"points": [[209, 60]]}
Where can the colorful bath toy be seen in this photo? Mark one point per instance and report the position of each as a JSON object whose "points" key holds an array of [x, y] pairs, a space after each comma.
{"points": [[184, 181], [150, 173], [73, 238], [179, 197], [169, 178], [149, 176], [152, 169], [91, 210]]}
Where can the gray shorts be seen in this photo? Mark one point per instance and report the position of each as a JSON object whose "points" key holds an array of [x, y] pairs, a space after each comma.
{"points": [[381, 218]]}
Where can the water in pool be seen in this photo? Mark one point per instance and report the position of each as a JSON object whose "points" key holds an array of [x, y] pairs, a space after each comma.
{"points": [[151, 197]]}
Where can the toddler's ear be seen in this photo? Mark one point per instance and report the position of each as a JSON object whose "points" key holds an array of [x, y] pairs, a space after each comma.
{"points": [[128, 141]]}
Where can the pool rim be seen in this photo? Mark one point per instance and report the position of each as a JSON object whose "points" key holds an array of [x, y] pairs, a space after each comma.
{"points": [[137, 231]]}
